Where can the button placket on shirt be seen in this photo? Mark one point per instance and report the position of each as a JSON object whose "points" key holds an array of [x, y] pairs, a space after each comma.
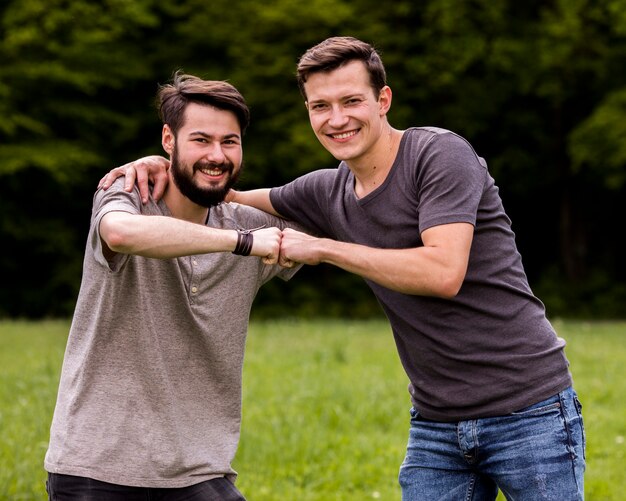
{"points": [[194, 287]]}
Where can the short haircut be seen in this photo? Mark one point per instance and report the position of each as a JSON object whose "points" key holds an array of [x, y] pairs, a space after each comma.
{"points": [[173, 98], [335, 52]]}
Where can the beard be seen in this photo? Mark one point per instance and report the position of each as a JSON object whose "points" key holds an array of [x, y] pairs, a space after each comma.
{"points": [[203, 196]]}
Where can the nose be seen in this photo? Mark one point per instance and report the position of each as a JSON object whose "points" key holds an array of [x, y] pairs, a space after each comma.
{"points": [[215, 154], [337, 117]]}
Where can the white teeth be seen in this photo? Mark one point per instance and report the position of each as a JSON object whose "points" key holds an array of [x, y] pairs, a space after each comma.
{"points": [[344, 135], [212, 172]]}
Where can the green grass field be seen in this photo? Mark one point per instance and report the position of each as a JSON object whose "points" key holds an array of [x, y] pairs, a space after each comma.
{"points": [[325, 408]]}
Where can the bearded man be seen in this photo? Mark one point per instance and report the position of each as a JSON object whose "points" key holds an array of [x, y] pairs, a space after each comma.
{"points": [[149, 402]]}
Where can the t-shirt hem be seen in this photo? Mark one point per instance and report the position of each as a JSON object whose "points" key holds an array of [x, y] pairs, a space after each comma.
{"points": [[114, 478], [500, 409]]}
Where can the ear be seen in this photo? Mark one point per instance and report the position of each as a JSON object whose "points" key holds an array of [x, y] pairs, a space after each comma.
{"points": [[168, 139], [384, 100]]}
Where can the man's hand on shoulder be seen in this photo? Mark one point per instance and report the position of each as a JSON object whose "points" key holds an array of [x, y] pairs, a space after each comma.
{"points": [[142, 171]]}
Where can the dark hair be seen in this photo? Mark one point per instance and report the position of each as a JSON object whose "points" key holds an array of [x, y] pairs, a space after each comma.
{"points": [[337, 51], [172, 99]]}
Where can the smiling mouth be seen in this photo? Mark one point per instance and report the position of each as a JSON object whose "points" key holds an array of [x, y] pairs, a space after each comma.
{"points": [[213, 171], [344, 135]]}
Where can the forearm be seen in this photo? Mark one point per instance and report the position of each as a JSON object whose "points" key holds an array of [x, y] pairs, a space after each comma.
{"points": [[436, 268], [162, 237], [259, 199], [419, 271]]}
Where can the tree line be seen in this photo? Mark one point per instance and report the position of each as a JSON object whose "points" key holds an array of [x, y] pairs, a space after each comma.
{"points": [[538, 87]]}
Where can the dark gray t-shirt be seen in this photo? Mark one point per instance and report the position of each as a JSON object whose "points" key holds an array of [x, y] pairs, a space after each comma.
{"points": [[150, 390], [488, 351]]}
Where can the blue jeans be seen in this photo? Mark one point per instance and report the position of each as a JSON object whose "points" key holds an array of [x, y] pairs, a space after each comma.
{"points": [[533, 454]]}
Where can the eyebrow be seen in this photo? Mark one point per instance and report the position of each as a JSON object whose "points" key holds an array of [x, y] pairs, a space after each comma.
{"points": [[209, 136], [342, 98]]}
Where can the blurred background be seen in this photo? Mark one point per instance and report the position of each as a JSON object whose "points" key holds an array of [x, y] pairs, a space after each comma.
{"points": [[538, 88]]}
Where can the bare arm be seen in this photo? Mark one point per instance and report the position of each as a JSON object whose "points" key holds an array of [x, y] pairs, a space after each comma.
{"points": [[152, 168], [255, 198], [167, 237], [436, 269]]}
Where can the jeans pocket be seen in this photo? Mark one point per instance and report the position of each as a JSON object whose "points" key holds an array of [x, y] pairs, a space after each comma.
{"points": [[579, 406], [538, 409], [579, 410]]}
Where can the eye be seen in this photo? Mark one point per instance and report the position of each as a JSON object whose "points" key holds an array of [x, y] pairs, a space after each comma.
{"points": [[319, 106]]}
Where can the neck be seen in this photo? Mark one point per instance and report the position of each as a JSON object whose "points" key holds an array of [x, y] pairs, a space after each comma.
{"points": [[372, 170], [183, 208]]}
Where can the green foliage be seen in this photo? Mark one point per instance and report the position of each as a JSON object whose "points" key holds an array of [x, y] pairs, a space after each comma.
{"points": [[537, 87], [599, 142], [325, 408], [600, 293]]}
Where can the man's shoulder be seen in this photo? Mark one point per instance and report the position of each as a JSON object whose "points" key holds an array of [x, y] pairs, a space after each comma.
{"points": [[316, 183], [234, 215], [426, 138], [117, 190], [432, 133]]}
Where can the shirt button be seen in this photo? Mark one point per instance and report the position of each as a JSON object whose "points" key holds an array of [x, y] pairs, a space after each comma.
{"points": [[194, 289]]}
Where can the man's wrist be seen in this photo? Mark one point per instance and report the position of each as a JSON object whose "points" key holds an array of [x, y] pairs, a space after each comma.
{"points": [[245, 240]]}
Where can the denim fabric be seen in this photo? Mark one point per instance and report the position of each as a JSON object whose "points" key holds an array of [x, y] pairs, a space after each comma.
{"points": [[534, 454], [72, 488]]}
